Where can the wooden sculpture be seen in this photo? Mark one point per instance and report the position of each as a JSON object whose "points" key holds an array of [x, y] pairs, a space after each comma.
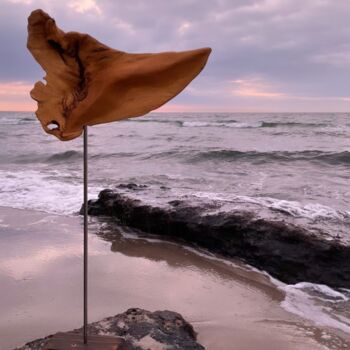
{"points": [[88, 83]]}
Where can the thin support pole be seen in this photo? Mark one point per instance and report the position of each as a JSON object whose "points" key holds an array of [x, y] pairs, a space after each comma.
{"points": [[85, 233]]}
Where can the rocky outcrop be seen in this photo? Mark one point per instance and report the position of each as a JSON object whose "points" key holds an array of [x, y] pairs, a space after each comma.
{"points": [[285, 251], [141, 330]]}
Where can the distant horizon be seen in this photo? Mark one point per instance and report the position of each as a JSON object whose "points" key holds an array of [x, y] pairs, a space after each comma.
{"points": [[204, 112]]}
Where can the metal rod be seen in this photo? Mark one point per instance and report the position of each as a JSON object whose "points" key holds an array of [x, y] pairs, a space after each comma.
{"points": [[85, 233]]}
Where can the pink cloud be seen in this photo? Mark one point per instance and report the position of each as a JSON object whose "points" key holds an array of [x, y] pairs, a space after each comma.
{"points": [[255, 87], [14, 96]]}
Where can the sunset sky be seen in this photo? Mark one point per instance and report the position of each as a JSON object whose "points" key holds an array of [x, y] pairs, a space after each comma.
{"points": [[268, 55]]}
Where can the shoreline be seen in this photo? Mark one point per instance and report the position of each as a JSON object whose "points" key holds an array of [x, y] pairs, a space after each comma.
{"points": [[226, 304], [286, 251]]}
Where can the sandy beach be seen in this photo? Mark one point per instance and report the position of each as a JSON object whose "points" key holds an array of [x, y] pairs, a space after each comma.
{"points": [[206, 144], [229, 306]]}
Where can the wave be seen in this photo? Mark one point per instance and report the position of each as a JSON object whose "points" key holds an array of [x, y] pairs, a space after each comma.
{"points": [[52, 192], [162, 155], [63, 156], [27, 119], [316, 302], [228, 124], [67, 156], [292, 124], [17, 121], [198, 123], [40, 158], [320, 303], [4, 121], [332, 158], [257, 124], [113, 155], [140, 120], [296, 209], [254, 157]]}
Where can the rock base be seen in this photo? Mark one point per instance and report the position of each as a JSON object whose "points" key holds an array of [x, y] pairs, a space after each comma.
{"points": [[141, 330]]}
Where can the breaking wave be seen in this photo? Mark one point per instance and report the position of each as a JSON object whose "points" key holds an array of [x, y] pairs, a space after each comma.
{"points": [[63, 156], [55, 192], [255, 124], [293, 208], [332, 158], [292, 124], [320, 303]]}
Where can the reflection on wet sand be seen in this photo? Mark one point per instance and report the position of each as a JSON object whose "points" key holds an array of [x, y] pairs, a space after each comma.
{"points": [[229, 306], [130, 243]]}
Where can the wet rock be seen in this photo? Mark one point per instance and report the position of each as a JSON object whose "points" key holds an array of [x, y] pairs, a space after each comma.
{"points": [[286, 251], [141, 330]]}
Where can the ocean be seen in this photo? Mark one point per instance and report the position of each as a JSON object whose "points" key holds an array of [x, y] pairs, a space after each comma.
{"points": [[289, 166], [297, 165]]}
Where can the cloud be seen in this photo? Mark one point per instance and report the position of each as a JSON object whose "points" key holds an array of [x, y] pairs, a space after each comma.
{"points": [[16, 94], [255, 87], [281, 50], [25, 2], [15, 88], [184, 27], [337, 59], [83, 6]]}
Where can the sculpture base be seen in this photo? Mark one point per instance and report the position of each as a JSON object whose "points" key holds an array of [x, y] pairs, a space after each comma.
{"points": [[70, 341]]}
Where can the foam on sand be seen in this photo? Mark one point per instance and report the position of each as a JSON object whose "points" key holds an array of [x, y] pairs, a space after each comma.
{"points": [[319, 303]]}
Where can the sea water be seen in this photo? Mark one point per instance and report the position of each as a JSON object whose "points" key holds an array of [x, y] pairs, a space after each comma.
{"points": [[294, 167]]}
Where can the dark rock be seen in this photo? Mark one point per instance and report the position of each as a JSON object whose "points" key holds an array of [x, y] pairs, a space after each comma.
{"points": [[286, 251], [141, 330]]}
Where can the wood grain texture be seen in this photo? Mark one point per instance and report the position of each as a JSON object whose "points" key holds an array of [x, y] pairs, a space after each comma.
{"points": [[88, 83]]}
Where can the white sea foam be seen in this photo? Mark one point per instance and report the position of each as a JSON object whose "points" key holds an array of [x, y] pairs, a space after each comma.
{"points": [[301, 300], [42, 191], [198, 124], [222, 124], [318, 303], [315, 302], [15, 120], [293, 208], [1, 223]]}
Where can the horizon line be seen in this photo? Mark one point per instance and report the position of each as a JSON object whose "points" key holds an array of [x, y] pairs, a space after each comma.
{"points": [[212, 111]]}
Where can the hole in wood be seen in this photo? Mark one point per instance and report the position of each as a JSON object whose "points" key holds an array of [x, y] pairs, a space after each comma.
{"points": [[53, 125]]}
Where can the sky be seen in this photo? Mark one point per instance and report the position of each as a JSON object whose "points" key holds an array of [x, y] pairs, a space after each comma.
{"points": [[268, 55]]}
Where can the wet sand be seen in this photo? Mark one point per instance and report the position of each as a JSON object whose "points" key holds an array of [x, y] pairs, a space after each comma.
{"points": [[229, 306]]}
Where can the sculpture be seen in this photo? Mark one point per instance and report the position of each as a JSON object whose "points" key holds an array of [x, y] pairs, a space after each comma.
{"points": [[89, 83]]}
